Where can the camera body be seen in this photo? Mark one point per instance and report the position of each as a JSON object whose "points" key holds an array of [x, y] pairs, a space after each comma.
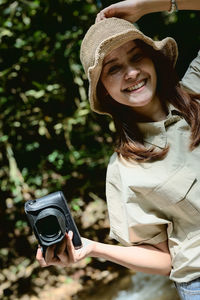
{"points": [[50, 219]]}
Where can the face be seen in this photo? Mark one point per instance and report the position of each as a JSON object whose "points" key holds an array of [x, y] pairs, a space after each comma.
{"points": [[129, 77]]}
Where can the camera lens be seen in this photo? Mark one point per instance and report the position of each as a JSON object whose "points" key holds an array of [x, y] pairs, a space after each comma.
{"points": [[50, 226]]}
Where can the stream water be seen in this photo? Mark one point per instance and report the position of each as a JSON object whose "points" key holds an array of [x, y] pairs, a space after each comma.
{"points": [[148, 287], [137, 287]]}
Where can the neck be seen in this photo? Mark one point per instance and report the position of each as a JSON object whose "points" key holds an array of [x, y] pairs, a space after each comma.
{"points": [[152, 112]]}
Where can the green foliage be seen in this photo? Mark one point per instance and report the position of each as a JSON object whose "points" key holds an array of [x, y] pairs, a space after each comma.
{"points": [[49, 140]]}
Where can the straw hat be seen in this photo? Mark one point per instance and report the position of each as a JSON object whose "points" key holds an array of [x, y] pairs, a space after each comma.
{"points": [[107, 35]]}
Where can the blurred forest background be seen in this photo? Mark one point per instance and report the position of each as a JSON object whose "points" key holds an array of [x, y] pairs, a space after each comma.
{"points": [[50, 140]]}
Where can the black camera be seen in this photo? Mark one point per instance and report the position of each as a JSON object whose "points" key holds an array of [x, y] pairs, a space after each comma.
{"points": [[50, 219]]}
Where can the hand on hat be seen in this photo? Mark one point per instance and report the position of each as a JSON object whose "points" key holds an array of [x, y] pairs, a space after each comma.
{"points": [[133, 10], [130, 10]]}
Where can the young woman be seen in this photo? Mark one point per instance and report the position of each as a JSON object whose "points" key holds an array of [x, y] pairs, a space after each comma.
{"points": [[153, 178]]}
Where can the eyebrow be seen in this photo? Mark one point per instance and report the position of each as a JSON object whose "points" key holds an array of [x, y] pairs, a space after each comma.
{"points": [[115, 59]]}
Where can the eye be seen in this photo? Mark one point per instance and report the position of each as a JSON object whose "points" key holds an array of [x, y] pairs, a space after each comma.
{"points": [[113, 69], [137, 57]]}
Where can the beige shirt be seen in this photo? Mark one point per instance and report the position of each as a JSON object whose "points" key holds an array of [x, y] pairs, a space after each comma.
{"points": [[151, 202]]}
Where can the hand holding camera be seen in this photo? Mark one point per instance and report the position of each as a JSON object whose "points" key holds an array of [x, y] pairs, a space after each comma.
{"points": [[65, 258], [51, 221]]}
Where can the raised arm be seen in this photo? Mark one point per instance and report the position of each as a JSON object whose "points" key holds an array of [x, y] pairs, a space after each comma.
{"points": [[191, 79], [133, 10]]}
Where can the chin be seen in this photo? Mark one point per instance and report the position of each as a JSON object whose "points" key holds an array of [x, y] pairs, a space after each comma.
{"points": [[139, 103]]}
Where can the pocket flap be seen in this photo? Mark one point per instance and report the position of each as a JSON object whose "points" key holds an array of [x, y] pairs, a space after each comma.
{"points": [[175, 188]]}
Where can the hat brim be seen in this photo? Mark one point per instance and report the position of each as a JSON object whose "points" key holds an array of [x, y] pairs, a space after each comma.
{"points": [[167, 46]]}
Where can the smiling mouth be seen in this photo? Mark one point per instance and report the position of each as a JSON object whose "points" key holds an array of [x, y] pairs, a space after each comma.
{"points": [[135, 86]]}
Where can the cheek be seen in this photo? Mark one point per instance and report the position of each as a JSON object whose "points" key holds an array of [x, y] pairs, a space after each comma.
{"points": [[111, 84], [149, 68], [153, 75]]}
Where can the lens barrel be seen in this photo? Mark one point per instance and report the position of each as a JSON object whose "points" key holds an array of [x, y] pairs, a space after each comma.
{"points": [[50, 225]]}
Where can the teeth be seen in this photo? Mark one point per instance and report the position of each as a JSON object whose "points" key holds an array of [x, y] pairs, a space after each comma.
{"points": [[136, 86]]}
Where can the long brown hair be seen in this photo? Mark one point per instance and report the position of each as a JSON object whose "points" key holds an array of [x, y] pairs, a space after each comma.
{"points": [[129, 139]]}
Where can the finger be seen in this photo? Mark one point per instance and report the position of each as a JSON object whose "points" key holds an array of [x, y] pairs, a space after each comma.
{"points": [[52, 258], [97, 19], [70, 247], [109, 11], [40, 258], [61, 247], [100, 17], [50, 255], [61, 252]]}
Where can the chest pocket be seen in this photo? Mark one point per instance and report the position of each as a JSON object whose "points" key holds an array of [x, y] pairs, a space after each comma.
{"points": [[175, 189], [174, 198]]}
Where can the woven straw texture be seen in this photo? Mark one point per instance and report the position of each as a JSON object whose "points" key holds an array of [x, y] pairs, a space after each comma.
{"points": [[104, 37]]}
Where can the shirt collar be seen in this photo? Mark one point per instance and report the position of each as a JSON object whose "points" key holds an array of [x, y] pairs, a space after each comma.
{"points": [[154, 133]]}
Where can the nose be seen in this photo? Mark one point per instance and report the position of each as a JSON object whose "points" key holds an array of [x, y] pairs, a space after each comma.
{"points": [[131, 72]]}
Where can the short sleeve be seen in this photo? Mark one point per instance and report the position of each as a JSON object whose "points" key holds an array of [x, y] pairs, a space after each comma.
{"points": [[191, 79], [130, 223]]}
